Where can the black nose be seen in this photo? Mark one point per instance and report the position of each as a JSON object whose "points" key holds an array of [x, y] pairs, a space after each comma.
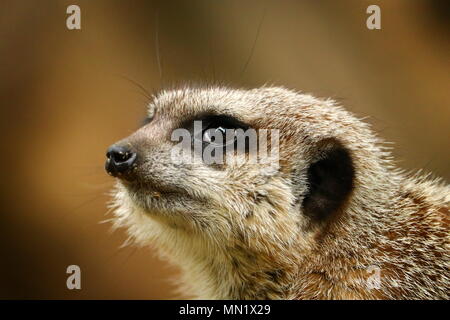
{"points": [[120, 160]]}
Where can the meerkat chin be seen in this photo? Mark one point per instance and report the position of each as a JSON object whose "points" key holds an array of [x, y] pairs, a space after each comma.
{"points": [[329, 218]]}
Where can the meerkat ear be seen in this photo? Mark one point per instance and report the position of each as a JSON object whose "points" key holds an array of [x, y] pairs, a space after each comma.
{"points": [[330, 179]]}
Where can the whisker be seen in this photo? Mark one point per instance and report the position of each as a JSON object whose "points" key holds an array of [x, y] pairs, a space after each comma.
{"points": [[98, 197], [254, 42], [157, 48], [144, 91], [211, 44]]}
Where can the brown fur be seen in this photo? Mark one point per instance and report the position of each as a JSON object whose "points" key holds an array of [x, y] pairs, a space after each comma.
{"points": [[244, 231]]}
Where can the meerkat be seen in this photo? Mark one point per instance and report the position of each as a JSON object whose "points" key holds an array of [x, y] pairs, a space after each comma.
{"points": [[334, 219]]}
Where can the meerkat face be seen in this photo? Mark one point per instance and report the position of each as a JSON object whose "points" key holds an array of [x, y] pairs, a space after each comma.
{"points": [[218, 182]]}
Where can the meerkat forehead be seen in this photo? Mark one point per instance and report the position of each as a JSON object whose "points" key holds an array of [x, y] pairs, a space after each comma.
{"points": [[261, 105]]}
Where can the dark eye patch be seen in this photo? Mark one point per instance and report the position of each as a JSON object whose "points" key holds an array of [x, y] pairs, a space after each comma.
{"points": [[223, 121], [214, 122], [210, 120]]}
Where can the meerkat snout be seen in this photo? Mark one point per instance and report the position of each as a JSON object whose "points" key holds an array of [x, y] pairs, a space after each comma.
{"points": [[273, 194], [120, 160]]}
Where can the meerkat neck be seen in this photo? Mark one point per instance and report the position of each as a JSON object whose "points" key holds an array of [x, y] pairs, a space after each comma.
{"points": [[240, 275], [236, 271]]}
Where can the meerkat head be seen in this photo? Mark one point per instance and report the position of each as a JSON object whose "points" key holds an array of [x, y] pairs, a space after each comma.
{"points": [[198, 192]]}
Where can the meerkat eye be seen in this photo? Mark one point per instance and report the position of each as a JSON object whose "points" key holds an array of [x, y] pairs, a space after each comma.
{"points": [[215, 135], [216, 130]]}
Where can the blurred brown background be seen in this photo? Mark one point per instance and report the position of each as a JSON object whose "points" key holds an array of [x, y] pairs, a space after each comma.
{"points": [[64, 99]]}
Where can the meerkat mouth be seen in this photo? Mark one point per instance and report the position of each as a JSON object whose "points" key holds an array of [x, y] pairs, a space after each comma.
{"points": [[167, 202], [152, 190]]}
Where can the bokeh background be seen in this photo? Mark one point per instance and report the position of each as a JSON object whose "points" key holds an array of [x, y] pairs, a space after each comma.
{"points": [[67, 95]]}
